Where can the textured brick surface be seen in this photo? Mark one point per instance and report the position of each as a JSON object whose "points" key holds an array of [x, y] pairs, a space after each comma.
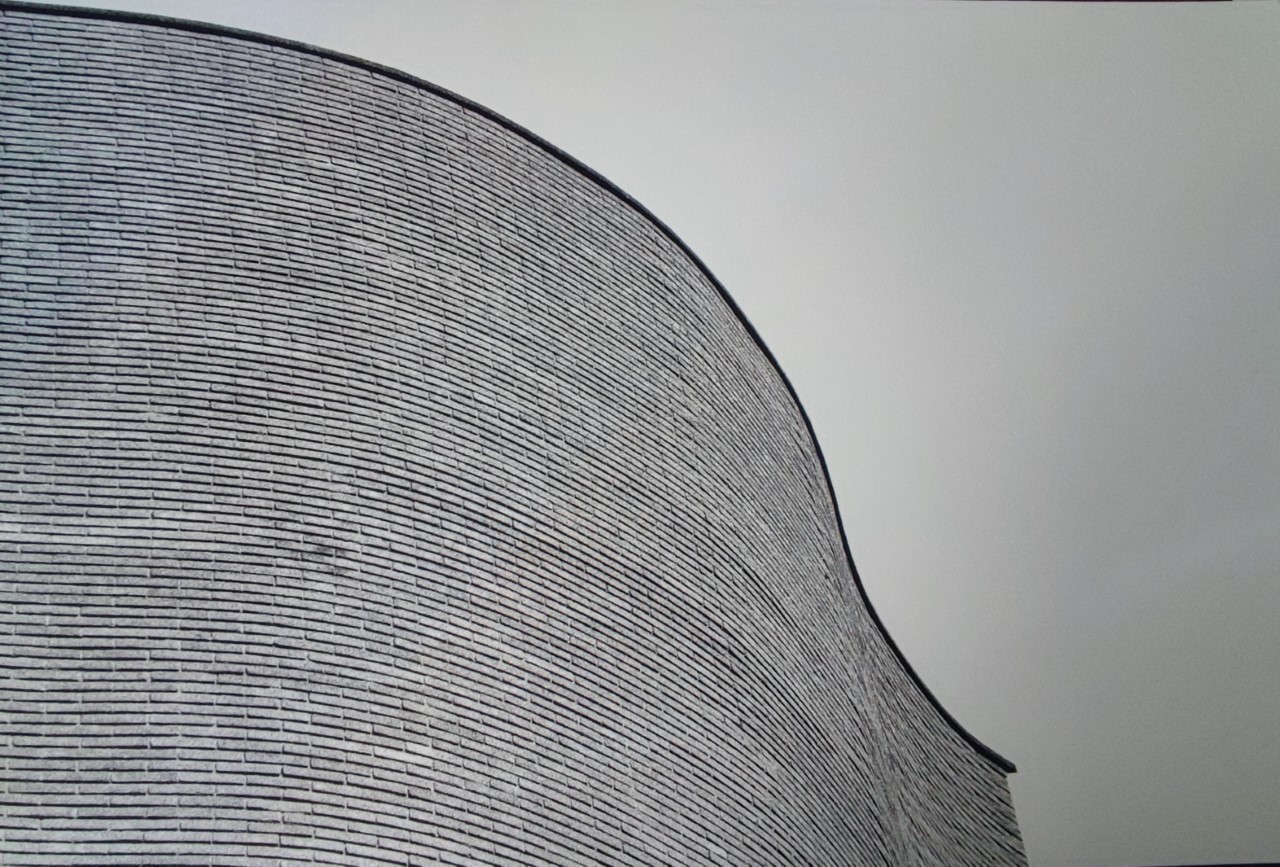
{"points": [[377, 487]]}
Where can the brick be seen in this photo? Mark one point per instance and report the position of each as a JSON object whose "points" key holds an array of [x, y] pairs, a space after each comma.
{"points": [[380, 486]]}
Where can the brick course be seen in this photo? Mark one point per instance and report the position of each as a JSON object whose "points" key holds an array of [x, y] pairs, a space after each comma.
{"points": [[379, 486]]}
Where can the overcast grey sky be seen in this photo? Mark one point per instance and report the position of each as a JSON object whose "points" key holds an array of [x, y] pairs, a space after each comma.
{"points": [[1021, 263]]}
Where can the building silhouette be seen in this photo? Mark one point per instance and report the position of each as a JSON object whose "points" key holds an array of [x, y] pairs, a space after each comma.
{"points": [[381, 486]]}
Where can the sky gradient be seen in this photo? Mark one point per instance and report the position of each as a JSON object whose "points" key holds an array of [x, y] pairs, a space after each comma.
{"points": [[1020, 262]]}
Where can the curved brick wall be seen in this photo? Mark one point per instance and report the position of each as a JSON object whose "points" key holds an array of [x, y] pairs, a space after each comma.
{"points": [[381, 487]]}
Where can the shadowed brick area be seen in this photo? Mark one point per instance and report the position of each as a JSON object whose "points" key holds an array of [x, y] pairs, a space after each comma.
{"points": [[379, 487]]}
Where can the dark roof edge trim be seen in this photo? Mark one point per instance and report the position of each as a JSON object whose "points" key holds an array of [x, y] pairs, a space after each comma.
{"points": [[220, 30]]}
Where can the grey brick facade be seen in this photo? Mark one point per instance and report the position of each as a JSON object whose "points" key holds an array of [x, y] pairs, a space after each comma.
{"points": [[380, 486]]}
